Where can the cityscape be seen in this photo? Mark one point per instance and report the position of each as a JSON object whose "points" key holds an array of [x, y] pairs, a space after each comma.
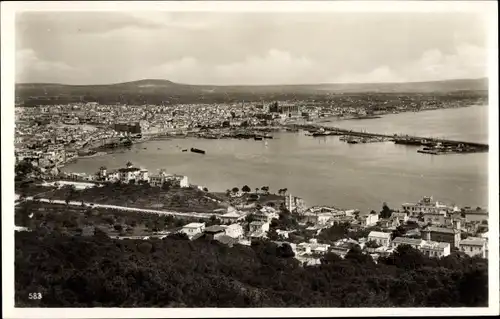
{"points": [[216, 186]]}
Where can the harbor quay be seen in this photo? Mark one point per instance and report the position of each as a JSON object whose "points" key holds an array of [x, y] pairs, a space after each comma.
{"points": [[435, 146]]}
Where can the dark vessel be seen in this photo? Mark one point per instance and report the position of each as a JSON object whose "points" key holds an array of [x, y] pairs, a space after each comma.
{"points": [[352, 142], [257, 138], [195, 150], [184, 150]]}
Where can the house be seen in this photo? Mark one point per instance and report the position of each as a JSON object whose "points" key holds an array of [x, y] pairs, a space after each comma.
{"points": [[295, 204], [388, 223], [442, 234], [226, 240], [231, 217], [415, 243], [128, 174], [434, 219], [312, 247], [256, 226], [381, 238], [193, 229], [368, 219], [477, 215], [424, 206], [474, 246], [215, 231], [401, 217], [266, 214], [435, 249], [234, 231]]}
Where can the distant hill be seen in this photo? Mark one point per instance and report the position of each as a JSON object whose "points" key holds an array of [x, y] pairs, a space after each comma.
{"points": [[158, 91]]}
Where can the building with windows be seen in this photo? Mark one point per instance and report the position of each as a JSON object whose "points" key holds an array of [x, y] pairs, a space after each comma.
{"points": [[435, 249], [474, 246], [193, 229], [426, 206], [381, 238], [442, 234]]}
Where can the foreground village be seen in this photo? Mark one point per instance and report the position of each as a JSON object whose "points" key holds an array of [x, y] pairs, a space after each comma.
{"points": [[240, 216]]}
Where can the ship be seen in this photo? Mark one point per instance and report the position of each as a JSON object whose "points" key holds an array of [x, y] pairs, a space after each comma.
{"points": [[258, 138], [196, 150]]}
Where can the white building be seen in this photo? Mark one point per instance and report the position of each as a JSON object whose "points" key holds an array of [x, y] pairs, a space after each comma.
{"points": [[474, 246], [435, 249], [368, 220], [295, 204], [425, 206], [381, 238], [193, 229], [234, 230]]}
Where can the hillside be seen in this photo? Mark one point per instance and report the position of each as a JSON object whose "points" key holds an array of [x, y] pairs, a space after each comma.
{"points": [[156, 91]]}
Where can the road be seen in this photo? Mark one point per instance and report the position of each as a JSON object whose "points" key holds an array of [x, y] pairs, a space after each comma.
{"points": [[140, 210]]}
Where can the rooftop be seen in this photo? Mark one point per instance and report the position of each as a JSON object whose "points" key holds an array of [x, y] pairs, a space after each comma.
{"points": [[407, 241], [215, 229], [379, 234], [441, 230], [435, 245], [473, 241], [194, 225]]}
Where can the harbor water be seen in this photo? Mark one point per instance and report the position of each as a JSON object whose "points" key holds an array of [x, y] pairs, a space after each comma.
{"points": [[326, 171]]}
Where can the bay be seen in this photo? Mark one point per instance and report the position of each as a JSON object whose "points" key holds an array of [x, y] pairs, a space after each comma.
{"points": [[326, 171]]}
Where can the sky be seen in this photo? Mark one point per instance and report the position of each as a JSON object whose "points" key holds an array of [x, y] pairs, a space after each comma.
{"points": [[249, 48]]}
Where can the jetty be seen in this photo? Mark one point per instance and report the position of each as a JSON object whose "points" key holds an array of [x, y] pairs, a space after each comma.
{"points": [[432, 145]]}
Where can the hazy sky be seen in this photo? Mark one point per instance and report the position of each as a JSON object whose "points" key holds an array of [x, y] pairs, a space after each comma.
{"points": [[248, 48]]}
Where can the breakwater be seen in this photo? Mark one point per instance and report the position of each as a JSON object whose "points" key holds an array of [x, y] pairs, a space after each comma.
{"points": [[439, 144]]}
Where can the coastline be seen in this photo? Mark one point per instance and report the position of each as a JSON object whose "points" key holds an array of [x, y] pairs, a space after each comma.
{"points": [[279, 128]]}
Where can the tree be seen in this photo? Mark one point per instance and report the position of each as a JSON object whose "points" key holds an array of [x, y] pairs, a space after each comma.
{"points": [[372, 244], [386, 211], [284, 190], [129, 164], [245, 189], [265, 189], [256, 190], [165, 186], [235, 190], [205, 189], [272, 234]]}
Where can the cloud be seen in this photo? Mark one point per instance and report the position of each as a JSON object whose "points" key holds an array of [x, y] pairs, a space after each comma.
{"points": [[468, 61], [30, 68], [274, 67]]}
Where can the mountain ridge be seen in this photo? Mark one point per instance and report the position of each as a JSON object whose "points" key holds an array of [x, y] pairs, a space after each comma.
{"points": [[165, 81]]}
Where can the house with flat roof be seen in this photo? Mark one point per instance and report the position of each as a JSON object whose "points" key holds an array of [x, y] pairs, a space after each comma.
{"points": [[193, 229], [435, 249], [474, 246], [381, 238]]}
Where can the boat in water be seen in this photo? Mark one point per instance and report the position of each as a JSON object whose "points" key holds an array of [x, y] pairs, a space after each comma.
{"points": [[196, 150], [185, 150], [258, 138]]}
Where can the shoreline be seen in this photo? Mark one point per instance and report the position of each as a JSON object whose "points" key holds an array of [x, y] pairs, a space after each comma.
{"points": [[280, 128]]}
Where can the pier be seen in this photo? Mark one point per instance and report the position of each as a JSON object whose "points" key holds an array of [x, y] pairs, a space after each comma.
{"points": [[431, 145]]}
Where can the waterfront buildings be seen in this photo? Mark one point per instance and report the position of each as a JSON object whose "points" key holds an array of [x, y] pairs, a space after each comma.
{"points": [[295, 204], [476, 215], [426, 206]]}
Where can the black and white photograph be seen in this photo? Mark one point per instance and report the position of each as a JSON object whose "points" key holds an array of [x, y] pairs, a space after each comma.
{"points": [[297, 155]]}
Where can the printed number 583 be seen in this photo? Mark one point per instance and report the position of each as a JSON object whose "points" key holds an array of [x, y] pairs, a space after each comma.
{"points": [[35, 295]]}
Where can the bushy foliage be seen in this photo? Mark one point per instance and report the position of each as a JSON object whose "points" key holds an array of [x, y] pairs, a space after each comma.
{"points": [[175, 272]]}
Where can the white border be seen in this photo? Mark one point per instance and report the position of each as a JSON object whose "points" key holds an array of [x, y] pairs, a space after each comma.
{"points": [[8, 10]]}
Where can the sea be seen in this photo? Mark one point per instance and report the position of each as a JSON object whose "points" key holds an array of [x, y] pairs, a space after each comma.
{"points": [[327, 171]]}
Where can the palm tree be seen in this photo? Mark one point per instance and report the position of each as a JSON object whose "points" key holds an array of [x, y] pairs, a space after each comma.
{"points": [[129, 164], [284, 191], [245, 189], [256, 190]]}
